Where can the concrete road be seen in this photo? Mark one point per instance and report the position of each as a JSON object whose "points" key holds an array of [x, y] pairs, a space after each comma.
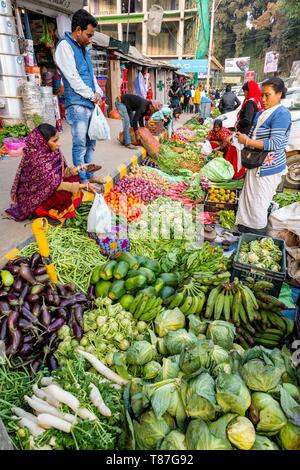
{"points": [[109, 154]]}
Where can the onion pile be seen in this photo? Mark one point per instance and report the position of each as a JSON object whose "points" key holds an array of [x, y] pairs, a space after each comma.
{"points": [[153, 177], [146, 190]]}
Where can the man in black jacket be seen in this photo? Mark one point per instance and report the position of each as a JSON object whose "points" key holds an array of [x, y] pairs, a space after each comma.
{"points": [[229, 101], [133, 109]]}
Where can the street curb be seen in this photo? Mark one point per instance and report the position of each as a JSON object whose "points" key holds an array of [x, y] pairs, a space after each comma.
{"points": [[117, 174]]}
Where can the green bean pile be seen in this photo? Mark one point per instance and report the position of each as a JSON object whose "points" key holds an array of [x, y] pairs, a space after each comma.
{"points": [[74, 255]]}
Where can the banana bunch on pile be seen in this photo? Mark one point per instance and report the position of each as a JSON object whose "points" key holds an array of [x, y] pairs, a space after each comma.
{"points": [[256, 314], [145, 308], [190, 298]]}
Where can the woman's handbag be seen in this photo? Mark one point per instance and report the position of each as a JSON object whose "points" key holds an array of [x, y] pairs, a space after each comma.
{"points": [[252, 158]]}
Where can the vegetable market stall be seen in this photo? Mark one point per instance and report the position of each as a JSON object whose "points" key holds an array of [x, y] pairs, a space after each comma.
{"points": [[162, 347]]}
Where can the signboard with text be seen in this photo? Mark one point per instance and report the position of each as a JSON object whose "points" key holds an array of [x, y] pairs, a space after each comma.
{"points": [[271, 62], [250, 75], [191, 66], [237, 65]]}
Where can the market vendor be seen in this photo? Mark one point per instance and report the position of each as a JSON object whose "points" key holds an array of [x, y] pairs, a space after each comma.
{"points": [[133, 110], [44, 186], [269, 133], [219, 137], [167, 115]]}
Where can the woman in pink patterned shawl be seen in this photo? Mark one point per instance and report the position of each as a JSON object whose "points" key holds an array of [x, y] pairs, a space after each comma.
{"points": [[44, 185]]}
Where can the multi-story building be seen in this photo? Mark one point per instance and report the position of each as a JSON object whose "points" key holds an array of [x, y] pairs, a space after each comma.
{"points": [[122, 19]]}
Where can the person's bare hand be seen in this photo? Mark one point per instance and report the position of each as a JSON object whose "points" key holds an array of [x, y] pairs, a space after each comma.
{"points": [[97, 99], [88, 187], [242, 138]]}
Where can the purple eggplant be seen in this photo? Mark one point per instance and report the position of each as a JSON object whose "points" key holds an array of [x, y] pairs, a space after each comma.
{"points": [[24, 294], [80, 297], [28, 339], [4, 308], [43, 278], [56, 325], [77, 330], [61, 290], [32, 298], [56, 300], [49, 298], [13, 319], [26, 325], [26, 350], [45, 317], [76, 310], [18, 285], [28, 315], [62, 313], [91, 292], [71, 287], [19, 261], [13, 300], [37, 289], [35, 260], [68, 302], [16, 343], [52, 362], [13, 269], [35, 366], [4, 329], [26, 273], [3, 294], [40, 270], [36, 309]]}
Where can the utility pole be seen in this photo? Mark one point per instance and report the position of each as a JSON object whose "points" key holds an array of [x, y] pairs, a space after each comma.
{"points": [[128, 19], [212, 24]]}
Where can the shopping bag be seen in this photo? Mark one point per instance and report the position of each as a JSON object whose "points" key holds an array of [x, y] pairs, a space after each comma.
{"points": [[207, 148], [98, 128], [99, 218]]}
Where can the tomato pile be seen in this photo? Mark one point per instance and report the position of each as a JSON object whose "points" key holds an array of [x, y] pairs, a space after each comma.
{"points": [[128, 206]]}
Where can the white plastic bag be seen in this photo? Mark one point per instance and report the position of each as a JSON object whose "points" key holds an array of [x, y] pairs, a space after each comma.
{"points": [[99, 219], [207, 148], [99, 128]]}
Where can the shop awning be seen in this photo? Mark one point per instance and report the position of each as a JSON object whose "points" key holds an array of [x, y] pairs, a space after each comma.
{"points": [[52, 8]]}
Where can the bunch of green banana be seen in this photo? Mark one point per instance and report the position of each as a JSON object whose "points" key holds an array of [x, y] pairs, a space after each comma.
{"points": [[209, 280], [145, 308], [190, 298]]}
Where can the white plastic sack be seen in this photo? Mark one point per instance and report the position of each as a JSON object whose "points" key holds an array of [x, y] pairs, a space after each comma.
{"points": [[99, 128], [286, 218], [207, 148], [99, 219]]}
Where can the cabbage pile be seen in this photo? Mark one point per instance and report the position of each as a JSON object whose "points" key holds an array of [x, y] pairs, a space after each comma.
{"points": [[262, 253], [201, 391]]}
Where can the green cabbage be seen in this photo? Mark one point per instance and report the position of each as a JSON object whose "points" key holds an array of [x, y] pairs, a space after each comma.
{"points": [[151, 370], [196, 356], [218, 170], [232, 394], [150, 430], [175, 440], [169, 320], [261, 371], [290, 437], [218, 428], [264, 443], [198, 395], [199, 437], [170, 367], [140, 352], [222, 333], [197, 326], [137, 398], [241, 433], [176, 341], [290, 406], [266, 414]]}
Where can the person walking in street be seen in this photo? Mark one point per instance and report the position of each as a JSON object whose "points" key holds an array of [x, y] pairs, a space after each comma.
{"points": [[175, 94], [44, 186], [82, 92], [197, 98], [186, 98], [133, 110], [229, 101], [251, 105], [191, 102], [269, 133]]}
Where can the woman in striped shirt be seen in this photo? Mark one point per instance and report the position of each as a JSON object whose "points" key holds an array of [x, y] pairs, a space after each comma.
{"points": [[270, 132]]}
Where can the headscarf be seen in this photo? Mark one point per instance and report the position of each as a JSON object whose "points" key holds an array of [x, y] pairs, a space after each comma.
{"points": [[254, 94], [38, 176], [157, 105]]}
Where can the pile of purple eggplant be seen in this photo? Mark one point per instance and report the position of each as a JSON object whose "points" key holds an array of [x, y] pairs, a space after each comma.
{"points": [[32, 311]]}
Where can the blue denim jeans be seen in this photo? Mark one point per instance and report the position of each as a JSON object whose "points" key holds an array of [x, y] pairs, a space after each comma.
{"points": [[126, 121], [205, 110], [83, 149]]}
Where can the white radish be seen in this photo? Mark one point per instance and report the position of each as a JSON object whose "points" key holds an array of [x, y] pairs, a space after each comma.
{"points": [[24, 414], [34, 429], [46, 381], [98, 402], [63, 397], [84, 413], [101, 368], [40, 393], [41, 406], [47, 421]]}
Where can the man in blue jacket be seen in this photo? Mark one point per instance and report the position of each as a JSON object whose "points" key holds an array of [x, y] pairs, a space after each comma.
{"points": [[81, 89]]}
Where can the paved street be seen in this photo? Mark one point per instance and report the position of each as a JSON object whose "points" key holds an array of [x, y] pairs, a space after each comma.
{"points": [[108, 154]]}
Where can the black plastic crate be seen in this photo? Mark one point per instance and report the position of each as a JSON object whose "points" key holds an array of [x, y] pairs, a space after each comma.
{"points": [[242, 271], [210, 206]]}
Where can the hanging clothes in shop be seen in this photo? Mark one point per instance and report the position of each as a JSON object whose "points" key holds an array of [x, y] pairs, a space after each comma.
{"points": [[139, 86]]}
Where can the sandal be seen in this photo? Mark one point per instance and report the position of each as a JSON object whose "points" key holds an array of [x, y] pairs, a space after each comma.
{"points": [[131, 146]]}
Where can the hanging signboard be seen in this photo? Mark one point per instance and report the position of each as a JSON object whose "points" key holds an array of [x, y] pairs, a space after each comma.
{"points": [[191, 66], [232, 80], [250, 75], [52, 6], [237, 65], [271, 62]]}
